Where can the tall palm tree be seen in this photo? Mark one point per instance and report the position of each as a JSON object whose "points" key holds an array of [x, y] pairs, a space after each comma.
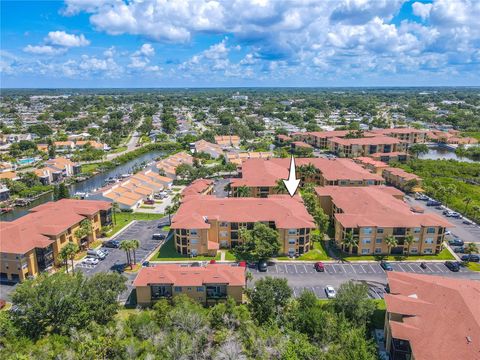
{"points": [[450, 191], [307, 171], [62, 255], [349, 241], [125, 245], [279, 187], [68, 252], [115, 209], [391, 241], [134, 245], [409, 240], [471, 248], [243, 191], [169, 210], [467, 202]]}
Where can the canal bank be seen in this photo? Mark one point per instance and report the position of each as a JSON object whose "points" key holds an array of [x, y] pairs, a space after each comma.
{"points": [[443, 152]]}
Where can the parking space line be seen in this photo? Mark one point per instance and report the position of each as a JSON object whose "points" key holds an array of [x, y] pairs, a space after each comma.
{"points": [[359, 268], [410, 267], [333, 267], [439, 268], [371, 267]]}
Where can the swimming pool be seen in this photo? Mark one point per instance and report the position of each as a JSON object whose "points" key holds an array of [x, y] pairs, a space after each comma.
{"points": [[26, 161]]}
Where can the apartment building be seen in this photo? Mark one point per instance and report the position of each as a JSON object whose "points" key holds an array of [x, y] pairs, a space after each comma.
{"points": [[238, 158], [432, 317], [168, 166], [227, 141], [32, 243], [203, 224], [261, 176], [396, 156], [409, 135], [319, 139], [375, 212], [371, 165], [365, 146], [199, 187], [401, 179], [54, 170], [207, 285]]}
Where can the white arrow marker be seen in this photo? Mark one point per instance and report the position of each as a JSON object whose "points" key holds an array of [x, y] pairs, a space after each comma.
{"points": [[292, 182]]}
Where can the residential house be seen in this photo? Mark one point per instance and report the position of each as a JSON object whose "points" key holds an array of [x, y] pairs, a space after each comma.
{"points": [[168, 166], [373, 213], [64, 146], [31, 244], [228, 141], [432, 317], [203, 224], [207, 284], [199, 187], [202, 146]]}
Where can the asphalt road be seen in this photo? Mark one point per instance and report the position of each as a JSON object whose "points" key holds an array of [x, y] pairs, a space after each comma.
{"points": [[304, 276], [468, 233]]}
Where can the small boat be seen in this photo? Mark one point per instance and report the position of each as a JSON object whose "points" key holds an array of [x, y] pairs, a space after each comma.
{"points": [[5, 210]]}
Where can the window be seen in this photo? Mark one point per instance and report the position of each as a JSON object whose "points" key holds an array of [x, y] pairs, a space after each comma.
{"points": [[431, 230], [428, 251], [178, 289], [370, 182], [193, 241], [365, 251], [223, 233], [223, 224], [414, 250], [292, 241], [367, 230], [416, 230], [429, 241], [193, 232], [380, 231], [378, 240], [200, 289], [378, 250], [292, 231], [367, 241]]}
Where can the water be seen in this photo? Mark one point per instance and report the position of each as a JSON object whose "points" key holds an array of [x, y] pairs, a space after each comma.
{"points": [[26, 161], [88, 185], [441, 153]]}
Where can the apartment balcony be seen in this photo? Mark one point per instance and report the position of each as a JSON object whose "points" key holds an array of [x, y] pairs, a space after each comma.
{"points": [[400, 350]]}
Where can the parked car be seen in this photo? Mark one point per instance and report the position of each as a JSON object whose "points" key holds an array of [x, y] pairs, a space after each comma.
{"points": [[386, 266], [97, 254], [453, 265], [148, 202], [330, 292], [158, 237], [421, 197], [90, 261], [433, 203], [146, 264], [196, 264], [455, 215], [467, 222], [119, 268], [115, 244], [319, 267], [459, 249], [456, 242], [471, 257], [262, 265]]}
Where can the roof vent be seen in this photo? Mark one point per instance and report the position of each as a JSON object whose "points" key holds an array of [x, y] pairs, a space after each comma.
{"points": [[414, 296], [469, 339]]}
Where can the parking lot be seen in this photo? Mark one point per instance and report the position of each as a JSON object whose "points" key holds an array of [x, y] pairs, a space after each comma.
{"points": [[468, 233], [304, 276]]}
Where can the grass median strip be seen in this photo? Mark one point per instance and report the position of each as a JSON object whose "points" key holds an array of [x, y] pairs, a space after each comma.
{"points": [[124, 218], [168, 253]]}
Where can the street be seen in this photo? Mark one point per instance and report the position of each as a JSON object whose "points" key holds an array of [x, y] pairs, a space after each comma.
{"points": [[304, 276]]}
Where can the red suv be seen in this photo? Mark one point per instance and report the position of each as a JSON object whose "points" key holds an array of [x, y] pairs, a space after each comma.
{"points": [[319, 266]]}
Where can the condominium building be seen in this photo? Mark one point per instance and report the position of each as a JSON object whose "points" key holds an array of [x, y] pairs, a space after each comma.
{"points": [[32, 243], [202, 146], [199, 187], [365, 146], [432, 317], [207, 285], [371, 165], [319, 139], [396, 156], [409, 135], [168, 166], [203, 224], [261, 176], [238, 158], [373, 213], [227, 141], [401, 179]]}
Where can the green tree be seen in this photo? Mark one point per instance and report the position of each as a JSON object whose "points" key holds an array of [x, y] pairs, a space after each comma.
{"points": [[418, 149], [476, 211], [259, 243], [169, 210], [268, 298], [279, 187], [134, 245], [61, 192], [68, 252], [471, 248], [409, 240], [391, 242], [349, 241], [115, 210], [352, 301], [125, 246], [467, 200], [243, 191]]}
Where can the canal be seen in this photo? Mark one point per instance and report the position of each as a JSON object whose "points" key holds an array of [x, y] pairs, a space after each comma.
{"points": [[95, 182], [437, 152]]}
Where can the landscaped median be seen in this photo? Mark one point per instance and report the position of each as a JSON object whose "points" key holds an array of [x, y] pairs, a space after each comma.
{"points": [[168, 253], [124, 218]]}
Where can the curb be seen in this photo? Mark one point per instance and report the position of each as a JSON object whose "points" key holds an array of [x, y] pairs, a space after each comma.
{"points": [[122, 229]]}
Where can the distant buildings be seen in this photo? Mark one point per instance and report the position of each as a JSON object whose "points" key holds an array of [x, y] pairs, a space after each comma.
{"points": [[238, 158], [207, 285], [169, 165], [228, 141], [432, 317], [375, 212], [32, 243], [202, 146], [199, 187], [401, 179], [203, 224]]}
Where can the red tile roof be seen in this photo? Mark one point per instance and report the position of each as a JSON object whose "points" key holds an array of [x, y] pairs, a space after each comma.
{"points": [[376, 206], [285, 211], [402, 173], [377, 140], [302, 144], [400, 131], [178, 275], [266, 172], [49, 219], [197, 187], [443, 315]]}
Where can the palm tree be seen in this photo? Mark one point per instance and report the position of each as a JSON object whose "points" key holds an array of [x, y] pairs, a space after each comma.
{"points": [[467, 202], [476, 210], [349, 241], [169, 210], [409, 240], [243, 191], [307, 171], [62, 255], [68, 252], [134, 245], [115, 208], [471, 249], [279, 187], [450, 191], [125, 245], [391, 241]]}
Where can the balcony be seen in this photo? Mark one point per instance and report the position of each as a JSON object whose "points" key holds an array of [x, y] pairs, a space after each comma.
{"points": [[400, 350], [215, 292]]}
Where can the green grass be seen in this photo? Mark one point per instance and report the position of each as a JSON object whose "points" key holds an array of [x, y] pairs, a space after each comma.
{"points": [[124, 218], [168, 253], [90, 168], [473, 266], [378, 317], [317, 252], [443, 255], [166, 228], [147, 207], [119, 149], [229, 256]]}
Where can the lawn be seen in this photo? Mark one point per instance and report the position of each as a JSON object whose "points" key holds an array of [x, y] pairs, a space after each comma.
{"points": [[473, 266], [168, 253], [378, 317], [229, 256], [124, 218], [317, 252], [443, 255], [90, 168], [119, 149]]}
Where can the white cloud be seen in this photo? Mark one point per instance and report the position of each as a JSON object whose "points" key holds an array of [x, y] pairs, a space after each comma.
{"points": [[61, 38], [422, 10], [145, 50], [43, 50]]}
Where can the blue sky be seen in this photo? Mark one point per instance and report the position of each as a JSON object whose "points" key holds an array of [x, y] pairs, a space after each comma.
{"points": [[203, 43]]}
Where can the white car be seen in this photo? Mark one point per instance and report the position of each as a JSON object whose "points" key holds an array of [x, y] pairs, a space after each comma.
{"points": [[90, 261], [330, 291]]}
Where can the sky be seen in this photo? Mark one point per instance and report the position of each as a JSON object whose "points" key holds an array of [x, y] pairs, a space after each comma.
{"points": [[216, 43]]}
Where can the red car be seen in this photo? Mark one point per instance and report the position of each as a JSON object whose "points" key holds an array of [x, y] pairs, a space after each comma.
{"points": [[148, 202], [319, 267]]}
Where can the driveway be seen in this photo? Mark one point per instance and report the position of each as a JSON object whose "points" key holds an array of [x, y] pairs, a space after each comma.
{"points": [[304, 276], [219, 187], [468, 233]]}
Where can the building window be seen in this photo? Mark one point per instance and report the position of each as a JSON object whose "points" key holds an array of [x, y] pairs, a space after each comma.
{"points": [[223, 233], [378, 250], [200, 289], [367, 241], [380, 231], [223, 224], [367, 230], [292, 231], [365, 251], [429, 241], [416, 230], [194, 241], [193, 232], [414, 250], [292, 241], [178, 289], [431, 230], [378, 240], [428, 251]]}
